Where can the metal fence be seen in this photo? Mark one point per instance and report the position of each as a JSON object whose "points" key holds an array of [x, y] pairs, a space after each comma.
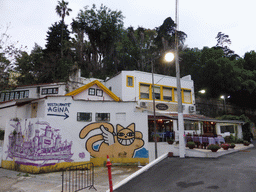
{"points": [[78, 177]]}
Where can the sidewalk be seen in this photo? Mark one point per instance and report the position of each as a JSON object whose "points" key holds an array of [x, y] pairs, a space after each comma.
{"points": [[13, 181]]}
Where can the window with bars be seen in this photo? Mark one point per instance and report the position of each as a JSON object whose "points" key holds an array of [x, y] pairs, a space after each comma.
{"points": [[81, 116], [102, 116]]}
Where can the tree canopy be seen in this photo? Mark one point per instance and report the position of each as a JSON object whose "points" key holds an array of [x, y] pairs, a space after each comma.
{"points": [[100, 45]]}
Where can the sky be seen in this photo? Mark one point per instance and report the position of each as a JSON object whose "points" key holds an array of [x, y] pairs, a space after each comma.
{"points": [[201, 20]]}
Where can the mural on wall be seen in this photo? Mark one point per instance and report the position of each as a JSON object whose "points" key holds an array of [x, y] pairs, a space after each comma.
{"points": [[58, 109], [39, 147], [122, 143]]}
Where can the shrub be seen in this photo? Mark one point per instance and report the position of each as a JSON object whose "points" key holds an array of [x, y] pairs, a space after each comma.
{"points": [[191, 144], [213, 146]]}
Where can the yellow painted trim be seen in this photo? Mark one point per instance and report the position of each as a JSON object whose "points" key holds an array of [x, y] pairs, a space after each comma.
{"points": [[161, 93], [100, 161], [99, 84], [34, 169], [127, 76]]}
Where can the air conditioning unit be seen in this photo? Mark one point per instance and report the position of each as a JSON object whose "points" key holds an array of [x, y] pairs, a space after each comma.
{"points": [[143, 104], [192, 109]]}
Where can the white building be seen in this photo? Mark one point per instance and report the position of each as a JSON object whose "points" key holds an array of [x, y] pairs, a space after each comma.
{"points": [[50, 131]]}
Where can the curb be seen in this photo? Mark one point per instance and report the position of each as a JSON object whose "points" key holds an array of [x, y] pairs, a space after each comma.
{"points": [[143, 169]]}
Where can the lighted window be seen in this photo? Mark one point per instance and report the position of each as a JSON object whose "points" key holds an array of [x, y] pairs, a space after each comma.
{"points": [[49, 91], [167, 93], [102, 117], [187, 96], [84, 116], [144, 91], [2, 97], [17, 95], [130, 82], [91, 91]]}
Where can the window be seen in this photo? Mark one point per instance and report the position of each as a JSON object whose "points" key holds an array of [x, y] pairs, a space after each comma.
{"points": [[121, 116], [186, 96], [12, 96], [2, 97], [99, 93], [157, 92], [26, 94], [167, 93], [175, 95], [144, 91], [21, 94], [7, 96], [190, 125], [17, 95], [50, 91], [129, 81], [102, 117], [91, 91], [227, 128], [84, 116]]}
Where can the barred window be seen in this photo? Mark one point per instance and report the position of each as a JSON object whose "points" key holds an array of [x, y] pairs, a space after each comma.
{"points": [[84, 116], [102, 117]]}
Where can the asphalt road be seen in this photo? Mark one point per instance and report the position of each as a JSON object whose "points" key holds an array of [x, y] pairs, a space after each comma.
{"points": [[235, 172]]}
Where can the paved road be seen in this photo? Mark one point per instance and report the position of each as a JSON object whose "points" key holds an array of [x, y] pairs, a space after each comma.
{"points": [[235, 172]]}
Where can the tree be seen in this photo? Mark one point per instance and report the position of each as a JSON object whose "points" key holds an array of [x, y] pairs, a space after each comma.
{"points": [[103, 28], [223, 42], [62, 10]]}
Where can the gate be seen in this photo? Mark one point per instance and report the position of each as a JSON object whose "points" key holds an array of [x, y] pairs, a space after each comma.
{"points": [[78, 177]]}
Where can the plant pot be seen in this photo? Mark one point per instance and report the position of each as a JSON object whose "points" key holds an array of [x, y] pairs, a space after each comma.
{"points": [[214, 150], [191, 147], [225, 148], [170, 142], [246, 144]]}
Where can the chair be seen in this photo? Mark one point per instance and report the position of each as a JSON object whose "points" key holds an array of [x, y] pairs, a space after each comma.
{"points": [[211, 140]]}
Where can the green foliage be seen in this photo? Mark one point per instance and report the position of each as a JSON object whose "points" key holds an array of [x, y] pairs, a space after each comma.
{"points": [[213, 146]]}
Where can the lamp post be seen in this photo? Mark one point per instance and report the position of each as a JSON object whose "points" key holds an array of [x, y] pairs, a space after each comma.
{"points": [[224, 101], [180, 108]]}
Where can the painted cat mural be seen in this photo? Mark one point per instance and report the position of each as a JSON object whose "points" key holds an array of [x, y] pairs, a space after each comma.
{"points": [[123, 143]]}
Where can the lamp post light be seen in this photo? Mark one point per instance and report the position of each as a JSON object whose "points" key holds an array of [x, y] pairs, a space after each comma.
{"points": [[224, 101]]}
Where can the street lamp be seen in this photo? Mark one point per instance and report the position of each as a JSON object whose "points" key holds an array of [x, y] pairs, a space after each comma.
{"points": [[224, 101], [180, 108]]}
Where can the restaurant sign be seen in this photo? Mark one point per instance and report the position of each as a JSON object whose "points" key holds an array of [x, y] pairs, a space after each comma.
{"points": [[162, 106]]}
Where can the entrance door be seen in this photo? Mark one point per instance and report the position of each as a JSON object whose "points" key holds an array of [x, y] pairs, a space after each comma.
{"points": [[209, 128]]}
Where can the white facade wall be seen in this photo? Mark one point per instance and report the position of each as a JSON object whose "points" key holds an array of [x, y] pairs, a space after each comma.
{"points": [[132, 93], [84, 95], [60, 114]]}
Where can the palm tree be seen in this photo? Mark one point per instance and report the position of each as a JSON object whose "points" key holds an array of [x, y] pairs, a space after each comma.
{"points": [[62, 10]]}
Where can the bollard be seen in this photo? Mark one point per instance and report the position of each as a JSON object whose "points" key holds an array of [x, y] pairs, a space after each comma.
{"points": [[109, 174]]}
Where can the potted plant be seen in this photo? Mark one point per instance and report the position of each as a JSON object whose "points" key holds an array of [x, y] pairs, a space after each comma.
{"points": [[213, 147], [170, 141], [225, 146], [246, 143], [232, 145], [191, 145]]}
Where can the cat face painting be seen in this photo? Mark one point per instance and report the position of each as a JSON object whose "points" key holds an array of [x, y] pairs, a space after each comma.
{"points": [[121, 143]]}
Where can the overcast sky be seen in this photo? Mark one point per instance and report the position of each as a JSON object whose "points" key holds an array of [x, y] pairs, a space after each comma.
{"points": [[201, 20]]}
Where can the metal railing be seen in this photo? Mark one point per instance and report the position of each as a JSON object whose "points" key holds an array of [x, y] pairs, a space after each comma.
{"points": [[78, 177]]}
